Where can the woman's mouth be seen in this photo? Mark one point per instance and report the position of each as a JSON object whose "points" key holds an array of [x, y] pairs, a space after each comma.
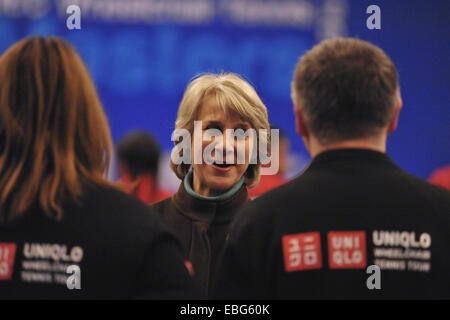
{"points": [[223, 167]]}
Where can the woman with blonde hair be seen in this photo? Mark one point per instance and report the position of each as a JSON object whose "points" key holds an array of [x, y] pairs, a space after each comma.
{"points": [[214, 181], [59, 216]]}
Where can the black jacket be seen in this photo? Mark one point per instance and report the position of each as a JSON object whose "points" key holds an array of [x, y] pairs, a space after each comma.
{"points": [[202, 227], [315, 236], [121, 246]]}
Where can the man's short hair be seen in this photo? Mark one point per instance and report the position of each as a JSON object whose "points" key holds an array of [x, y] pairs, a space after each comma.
{"points": [[140, 152], [347, 89]]}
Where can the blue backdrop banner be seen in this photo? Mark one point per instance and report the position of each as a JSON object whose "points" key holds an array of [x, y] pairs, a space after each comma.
{"points": [[142, 53]]}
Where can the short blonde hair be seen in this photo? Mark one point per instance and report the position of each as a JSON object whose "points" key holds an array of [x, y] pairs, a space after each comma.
{"points": [[233, 94]]}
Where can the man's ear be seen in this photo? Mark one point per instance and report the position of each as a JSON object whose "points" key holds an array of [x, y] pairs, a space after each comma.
{"points": [[300, 121], [395, 114]]}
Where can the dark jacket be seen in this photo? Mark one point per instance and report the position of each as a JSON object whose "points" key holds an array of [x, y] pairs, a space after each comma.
{"points": [[202, 226], [315, 236], [122, 248]]}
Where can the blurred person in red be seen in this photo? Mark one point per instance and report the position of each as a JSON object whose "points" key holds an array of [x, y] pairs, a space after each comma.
{"points": [[441, 177], [269, 182], [139, 154]]}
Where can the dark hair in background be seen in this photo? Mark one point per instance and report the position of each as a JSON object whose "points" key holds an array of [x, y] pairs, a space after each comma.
{"points": [[347, 88], [54, 135], [140, 152]]}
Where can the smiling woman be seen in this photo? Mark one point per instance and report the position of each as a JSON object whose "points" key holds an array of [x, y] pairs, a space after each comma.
{"points": [[211, 179], [213, 191]]}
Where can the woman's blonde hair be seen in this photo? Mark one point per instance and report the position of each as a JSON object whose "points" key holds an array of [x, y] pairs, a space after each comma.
{"points": [[233, 94], [53, 132]]}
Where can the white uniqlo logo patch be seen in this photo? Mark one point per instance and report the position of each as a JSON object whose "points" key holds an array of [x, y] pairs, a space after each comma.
{"points": [[302, 251], [347, 249]]}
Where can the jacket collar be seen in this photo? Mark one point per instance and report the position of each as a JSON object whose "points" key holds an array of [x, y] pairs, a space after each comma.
{"points": [[228, 194], [210, 211], [351, 155]]}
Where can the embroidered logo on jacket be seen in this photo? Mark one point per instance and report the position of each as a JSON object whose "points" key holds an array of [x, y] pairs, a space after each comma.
{"points": [[7, 256], [302, 251], [347, 249]]}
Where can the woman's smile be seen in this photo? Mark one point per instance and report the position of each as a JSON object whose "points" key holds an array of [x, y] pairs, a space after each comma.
{"points": [[222, 167]]}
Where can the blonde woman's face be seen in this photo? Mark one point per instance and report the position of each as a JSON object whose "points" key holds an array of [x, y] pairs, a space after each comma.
{"points": [[214, 178]]}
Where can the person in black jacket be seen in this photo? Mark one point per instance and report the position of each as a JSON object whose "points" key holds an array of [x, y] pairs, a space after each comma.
{"points": [[354, 224], [213, 191], [65, 232]]}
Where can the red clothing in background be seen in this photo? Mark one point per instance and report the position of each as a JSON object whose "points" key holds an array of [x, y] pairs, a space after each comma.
{"points": [[144, 188], [441, 177], [267, 183]]}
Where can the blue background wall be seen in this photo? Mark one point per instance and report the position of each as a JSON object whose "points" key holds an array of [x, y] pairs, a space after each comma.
{"points": [[142, 68]]}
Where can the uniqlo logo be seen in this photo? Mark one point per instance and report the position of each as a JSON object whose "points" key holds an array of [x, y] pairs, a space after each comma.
{"points": [[347, 249], [302, 251], [7, 255]]}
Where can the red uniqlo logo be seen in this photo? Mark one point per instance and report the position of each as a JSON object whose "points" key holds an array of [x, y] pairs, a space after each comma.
{"points": [[302, 251], [347, 249], [7, 255]]}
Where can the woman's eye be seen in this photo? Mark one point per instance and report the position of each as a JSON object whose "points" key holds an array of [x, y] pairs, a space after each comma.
{"points": [[243, 128], [213, 127]]}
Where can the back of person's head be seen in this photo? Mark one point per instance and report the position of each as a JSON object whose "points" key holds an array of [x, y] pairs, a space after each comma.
{"points": [[140, 153], [347, 89], [54, 135]]}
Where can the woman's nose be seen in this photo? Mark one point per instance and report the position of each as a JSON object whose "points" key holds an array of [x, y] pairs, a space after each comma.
{"points": [[226, 145]]}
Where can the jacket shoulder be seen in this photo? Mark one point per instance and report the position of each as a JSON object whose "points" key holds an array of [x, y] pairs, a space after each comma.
{"points": [[437, 197], [123, 212], [163, 206]]}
